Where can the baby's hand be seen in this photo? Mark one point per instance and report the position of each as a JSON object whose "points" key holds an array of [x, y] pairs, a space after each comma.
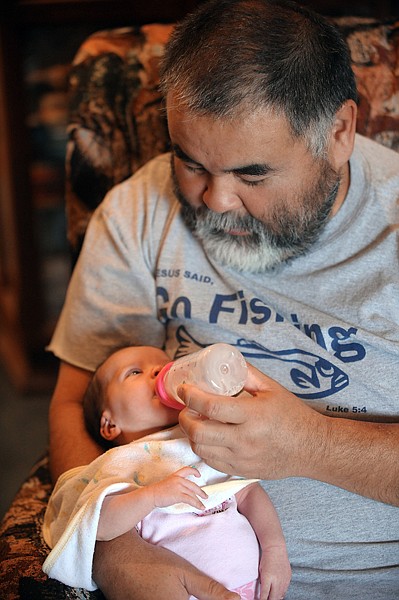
{"points": [[176, 488], [275, 573]]}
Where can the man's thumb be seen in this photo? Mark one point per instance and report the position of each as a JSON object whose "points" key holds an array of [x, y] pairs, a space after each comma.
{"points": [[257, 381], [205, 588]]}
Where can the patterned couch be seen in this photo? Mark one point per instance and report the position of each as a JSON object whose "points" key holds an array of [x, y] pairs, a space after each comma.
{"points": [[116, 125]]}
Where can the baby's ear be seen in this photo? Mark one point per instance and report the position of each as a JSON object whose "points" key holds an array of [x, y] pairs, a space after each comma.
{"points": [[108, 430]]}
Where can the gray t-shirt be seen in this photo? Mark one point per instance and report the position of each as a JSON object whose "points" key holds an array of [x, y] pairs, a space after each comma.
{"points": [[326, 326]]}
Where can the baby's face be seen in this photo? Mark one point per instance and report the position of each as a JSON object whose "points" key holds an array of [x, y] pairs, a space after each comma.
{"points": [[129, 379]]}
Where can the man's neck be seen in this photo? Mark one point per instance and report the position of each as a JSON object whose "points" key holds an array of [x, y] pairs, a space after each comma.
{"points": [[343, 189]]}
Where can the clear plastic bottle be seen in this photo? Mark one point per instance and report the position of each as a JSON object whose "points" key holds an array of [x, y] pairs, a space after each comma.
{"points": [[219, 369]]}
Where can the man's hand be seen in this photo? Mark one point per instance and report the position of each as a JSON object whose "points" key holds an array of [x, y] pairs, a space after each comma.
{"points": [[272, 434], [128, 568], [262, 436]]}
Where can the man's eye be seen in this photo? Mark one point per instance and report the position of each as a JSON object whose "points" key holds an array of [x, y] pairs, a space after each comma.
{"points": [[193, 168], [253, 182]]}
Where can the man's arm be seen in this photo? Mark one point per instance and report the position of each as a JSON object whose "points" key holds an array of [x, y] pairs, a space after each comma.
{"points": [[273, 435], [70, 444], [142, 571]]}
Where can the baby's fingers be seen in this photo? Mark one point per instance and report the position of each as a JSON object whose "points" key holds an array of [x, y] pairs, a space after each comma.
{"points": [[194, 489], [271, 592], [193, 501], [187, 471]]}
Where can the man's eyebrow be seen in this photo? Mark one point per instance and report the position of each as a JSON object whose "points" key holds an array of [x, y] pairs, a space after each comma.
{"points": [[182, 155], [256, 169]]}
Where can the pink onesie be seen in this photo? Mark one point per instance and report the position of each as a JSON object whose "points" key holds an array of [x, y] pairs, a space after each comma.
{"points": [[220, 542]]}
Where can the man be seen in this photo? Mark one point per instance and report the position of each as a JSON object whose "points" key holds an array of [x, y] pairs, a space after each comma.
{"points": [[274, 228]]}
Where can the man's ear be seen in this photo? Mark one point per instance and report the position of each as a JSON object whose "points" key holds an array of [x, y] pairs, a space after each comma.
{"points": [[343, 135], [108, 430]]}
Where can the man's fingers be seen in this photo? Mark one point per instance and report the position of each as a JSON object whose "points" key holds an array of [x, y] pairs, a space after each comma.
{"points": [[207, 589], [208, 432], [227, 409], [224, 409], [216, 454]]}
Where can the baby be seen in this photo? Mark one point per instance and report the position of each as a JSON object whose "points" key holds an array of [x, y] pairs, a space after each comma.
{"points": [[226, 526]]}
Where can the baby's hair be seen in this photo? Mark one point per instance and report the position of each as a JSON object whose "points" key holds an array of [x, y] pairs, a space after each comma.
{"points": [[93, 406]]}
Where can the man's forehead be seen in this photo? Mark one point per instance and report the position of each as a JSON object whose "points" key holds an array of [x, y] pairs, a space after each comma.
{"points": [[256, 137], [253, 146], [243, 112]]}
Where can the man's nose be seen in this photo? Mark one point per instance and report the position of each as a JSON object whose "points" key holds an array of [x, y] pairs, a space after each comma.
{"points": [[220, 195]]}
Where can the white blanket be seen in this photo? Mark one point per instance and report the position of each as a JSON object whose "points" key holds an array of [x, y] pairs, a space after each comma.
{"points": [[71, 520]]}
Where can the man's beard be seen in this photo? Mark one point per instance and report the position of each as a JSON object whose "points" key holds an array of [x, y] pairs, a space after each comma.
{"points": [[265, 246]]}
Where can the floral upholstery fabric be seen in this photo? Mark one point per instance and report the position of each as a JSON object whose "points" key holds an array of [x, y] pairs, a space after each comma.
{"points": [[22, 547], [116, 125], [375, 58]]}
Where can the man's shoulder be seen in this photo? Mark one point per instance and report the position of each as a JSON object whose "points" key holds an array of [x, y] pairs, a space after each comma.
{"points": [[375, 152], [379, 165], [154, 174], [147, 187], [159, 165]]}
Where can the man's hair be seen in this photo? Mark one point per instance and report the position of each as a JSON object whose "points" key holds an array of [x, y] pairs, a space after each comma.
{"points": [[93, 406], [235, 55]]}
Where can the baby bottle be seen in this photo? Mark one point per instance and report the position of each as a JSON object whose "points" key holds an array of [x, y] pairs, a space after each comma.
{"points": [[219, 368]]}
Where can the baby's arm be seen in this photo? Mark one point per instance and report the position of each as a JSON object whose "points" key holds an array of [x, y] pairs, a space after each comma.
{"points": [[275, 569], [121, 512]]}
